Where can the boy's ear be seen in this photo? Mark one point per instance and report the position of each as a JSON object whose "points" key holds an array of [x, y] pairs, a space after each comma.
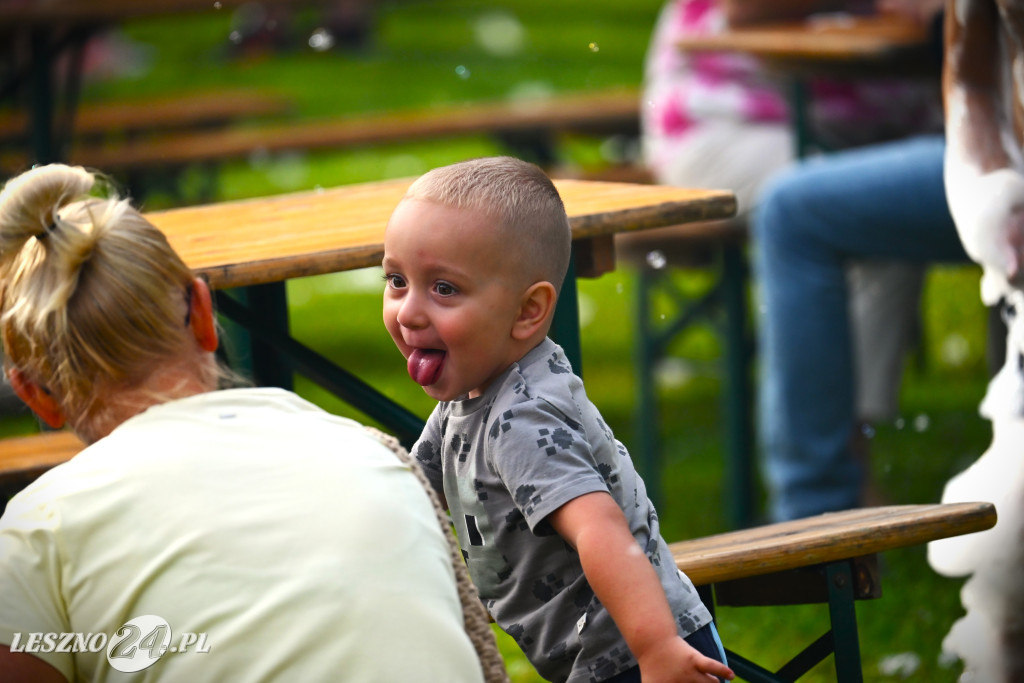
{"points": [[535, 311], [36, 397], [201, 316]]}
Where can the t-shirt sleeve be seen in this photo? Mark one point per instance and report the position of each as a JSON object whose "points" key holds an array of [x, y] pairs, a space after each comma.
{"points": [[30, 595], [543, 457], [427, 450]]}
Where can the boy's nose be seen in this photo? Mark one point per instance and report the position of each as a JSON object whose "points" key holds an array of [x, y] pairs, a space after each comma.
{"points": [[411, 313]]}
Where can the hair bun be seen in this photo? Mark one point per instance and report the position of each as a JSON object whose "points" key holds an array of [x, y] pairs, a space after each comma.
{"points": [[30, 202]]}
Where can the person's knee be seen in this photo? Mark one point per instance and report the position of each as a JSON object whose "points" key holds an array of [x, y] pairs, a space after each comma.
{"points": [[782, 208]]}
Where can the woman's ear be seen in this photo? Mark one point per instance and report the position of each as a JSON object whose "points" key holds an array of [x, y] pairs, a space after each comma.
{"points": [[535, 310], [36, 397], [201, 316]]}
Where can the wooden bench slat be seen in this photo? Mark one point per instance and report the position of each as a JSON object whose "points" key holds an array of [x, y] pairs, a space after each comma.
{"points": [[94, 11], [614, 110], [162, 113], [824, 538]]}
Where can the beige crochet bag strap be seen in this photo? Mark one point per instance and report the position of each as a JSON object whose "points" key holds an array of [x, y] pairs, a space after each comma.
{"points": [[475, 618]]}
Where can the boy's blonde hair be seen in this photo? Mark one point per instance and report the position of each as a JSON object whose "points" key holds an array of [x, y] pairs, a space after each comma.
{"points": [[520, 197], [92, 296]]}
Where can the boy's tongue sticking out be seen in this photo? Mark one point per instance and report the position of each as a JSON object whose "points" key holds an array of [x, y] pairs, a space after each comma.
{"points": [[425, 365]]}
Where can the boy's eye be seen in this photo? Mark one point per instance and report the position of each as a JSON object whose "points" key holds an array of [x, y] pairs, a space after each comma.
{"points": [[444, 289], [394, 280]]}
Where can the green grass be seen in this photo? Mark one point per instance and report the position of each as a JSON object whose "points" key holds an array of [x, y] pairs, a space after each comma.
{"points": [[413, 61]]}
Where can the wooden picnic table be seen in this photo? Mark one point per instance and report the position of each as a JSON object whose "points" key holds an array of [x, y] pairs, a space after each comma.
{"points": [[834, 45], [839, 38], [260, 243]]}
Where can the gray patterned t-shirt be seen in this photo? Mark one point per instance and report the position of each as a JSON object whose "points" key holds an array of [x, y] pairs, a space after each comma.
{"points": [[505, 461]]}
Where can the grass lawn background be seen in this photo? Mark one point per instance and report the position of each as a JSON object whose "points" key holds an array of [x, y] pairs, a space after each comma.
{"points": [[437, 53]]}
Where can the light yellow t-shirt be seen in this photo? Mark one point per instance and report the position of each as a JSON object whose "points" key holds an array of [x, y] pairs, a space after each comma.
{"points": [[295, 541]]}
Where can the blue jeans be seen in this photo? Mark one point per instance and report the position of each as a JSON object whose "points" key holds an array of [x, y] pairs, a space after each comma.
{"points": [[884, 201]]}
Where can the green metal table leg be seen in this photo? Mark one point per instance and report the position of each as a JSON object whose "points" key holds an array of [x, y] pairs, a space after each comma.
{"points": [[250, 355], [801, 120], [738, 398], [269, 368], [565, 326], [843, 614], [648, 446]]}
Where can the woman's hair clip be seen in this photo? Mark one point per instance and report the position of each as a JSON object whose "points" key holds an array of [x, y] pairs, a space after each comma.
{"points": [[52, 227]]}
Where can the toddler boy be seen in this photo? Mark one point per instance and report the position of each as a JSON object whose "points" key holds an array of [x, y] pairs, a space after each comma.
{"points": [[554, 522]]}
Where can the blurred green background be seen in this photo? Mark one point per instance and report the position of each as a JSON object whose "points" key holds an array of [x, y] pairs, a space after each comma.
{"points": [[417, 54]]}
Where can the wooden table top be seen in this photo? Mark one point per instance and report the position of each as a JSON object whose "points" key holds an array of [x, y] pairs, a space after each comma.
{"points": [[826, 37], [825, 538], [272, 239], [31, 455]]}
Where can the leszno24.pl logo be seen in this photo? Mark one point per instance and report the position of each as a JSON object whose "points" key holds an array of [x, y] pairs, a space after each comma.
{"points": [[133, 647]]}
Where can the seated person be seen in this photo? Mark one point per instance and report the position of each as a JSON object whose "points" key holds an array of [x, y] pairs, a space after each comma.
{"points": [[722, 120], [555, 524], [883, 201], [294, 541]]}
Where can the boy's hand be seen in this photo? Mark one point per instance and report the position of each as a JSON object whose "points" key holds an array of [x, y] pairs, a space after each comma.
{"points": [[674, 660], [626, 584]]}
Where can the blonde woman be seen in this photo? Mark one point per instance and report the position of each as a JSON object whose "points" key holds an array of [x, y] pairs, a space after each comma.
{"points": [[203, 534]]}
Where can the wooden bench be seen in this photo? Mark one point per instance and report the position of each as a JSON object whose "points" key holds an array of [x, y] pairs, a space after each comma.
{"points": [[527, 120], [830, 558], [127, 119]]}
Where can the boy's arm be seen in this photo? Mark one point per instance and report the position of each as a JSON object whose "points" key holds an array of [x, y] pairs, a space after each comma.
{"points": [[626, 584]]}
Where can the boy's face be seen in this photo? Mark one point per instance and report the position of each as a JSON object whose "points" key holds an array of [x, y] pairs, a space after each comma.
{"points": [[451, 297]]}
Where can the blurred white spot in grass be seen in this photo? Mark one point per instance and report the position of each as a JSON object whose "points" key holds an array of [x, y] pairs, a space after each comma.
{"points": [[620, 149], [462, 72], [403, 165], [499, 33], [594, 47], [955, 350], [673, 373], [921, 423], [289, 171], [588, 309], [656, 259], [531, 90], [902, 665], [321, 40]]}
